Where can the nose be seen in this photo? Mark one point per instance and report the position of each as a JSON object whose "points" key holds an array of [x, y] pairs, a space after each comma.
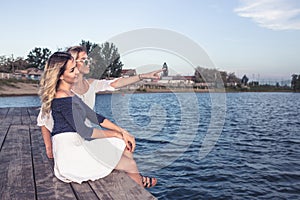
{"points": [[76, 70]]}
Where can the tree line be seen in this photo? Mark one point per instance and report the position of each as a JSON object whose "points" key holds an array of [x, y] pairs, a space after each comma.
{"points": [[106, 64], [105, 60], [220, 78]]}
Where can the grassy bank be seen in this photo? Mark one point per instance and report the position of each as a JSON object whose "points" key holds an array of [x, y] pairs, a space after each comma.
{"points": [[14, 82], [14, 87]]}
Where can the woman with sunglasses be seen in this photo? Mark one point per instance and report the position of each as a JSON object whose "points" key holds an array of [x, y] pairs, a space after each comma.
{"points": [[86, 89], [81, 153]]}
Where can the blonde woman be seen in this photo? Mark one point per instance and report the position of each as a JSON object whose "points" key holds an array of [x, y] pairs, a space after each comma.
{"points": [[86, 89], [81, 153]]}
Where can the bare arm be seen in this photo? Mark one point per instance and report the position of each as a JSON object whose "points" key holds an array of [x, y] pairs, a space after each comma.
{"points": [[115, 131], [47, 140], [121, 82]]}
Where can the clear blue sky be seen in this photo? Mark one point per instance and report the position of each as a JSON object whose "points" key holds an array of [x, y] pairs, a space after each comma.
{"points": [[259, 38]]}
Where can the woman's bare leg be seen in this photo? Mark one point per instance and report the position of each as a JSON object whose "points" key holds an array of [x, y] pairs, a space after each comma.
{"points": [[128, 165], [128, 154]]}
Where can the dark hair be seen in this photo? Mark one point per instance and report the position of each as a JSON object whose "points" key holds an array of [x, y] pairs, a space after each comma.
{"points": [[60, 57]]}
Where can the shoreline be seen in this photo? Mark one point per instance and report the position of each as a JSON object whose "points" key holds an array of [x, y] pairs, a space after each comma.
{"points": [[31, 89], [19, 89]]}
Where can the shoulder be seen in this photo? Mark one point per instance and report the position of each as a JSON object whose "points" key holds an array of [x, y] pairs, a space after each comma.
{"points": [[91, 80]]}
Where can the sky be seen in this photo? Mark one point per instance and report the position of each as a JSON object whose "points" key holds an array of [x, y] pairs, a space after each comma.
{"points": [[259, 38]]}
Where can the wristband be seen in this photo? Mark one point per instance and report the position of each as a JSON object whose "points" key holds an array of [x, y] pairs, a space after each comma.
{"points": [[140, 77]]}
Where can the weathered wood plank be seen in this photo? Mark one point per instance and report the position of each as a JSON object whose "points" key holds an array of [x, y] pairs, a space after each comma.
{"points": [[13, 117], [25, 118], [16, 173], [84, 191], [3, 133], [6, 121], [27, 173], [3, 113], [33, 113], [119, 186], [47, 185]]}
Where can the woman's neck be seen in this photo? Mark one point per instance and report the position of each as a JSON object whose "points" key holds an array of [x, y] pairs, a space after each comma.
{"points": [[66, 88], [81, 86], [79, 82]]}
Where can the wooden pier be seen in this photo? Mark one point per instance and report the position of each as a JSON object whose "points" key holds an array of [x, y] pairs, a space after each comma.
{"points": [[27, 173]]}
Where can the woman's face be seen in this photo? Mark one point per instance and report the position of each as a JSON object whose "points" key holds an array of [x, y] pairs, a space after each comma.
{"points": [[70, 75], [83, 64]]}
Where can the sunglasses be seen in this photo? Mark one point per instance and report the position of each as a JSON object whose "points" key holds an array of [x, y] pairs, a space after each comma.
{"points": [[86, 61]]}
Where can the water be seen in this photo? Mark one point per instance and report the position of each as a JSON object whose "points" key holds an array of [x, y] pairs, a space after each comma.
{"points": [[255, 156], [19, 101]]}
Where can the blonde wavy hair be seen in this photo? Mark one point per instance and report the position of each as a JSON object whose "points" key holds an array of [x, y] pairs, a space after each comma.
{"points": [[55, 67]]}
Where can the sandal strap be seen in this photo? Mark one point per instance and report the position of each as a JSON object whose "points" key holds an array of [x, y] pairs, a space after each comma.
{"points": [[147, 181]]}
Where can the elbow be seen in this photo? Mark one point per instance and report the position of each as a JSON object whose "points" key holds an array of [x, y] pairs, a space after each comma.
{"points": [[114, 84], [103, 123], [85, 132]]}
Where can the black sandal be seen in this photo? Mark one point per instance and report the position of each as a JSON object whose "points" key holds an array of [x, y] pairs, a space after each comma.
{"points": [[148, 182]]}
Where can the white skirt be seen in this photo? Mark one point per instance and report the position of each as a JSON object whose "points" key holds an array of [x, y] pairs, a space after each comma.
{"points": [[78, 160]]}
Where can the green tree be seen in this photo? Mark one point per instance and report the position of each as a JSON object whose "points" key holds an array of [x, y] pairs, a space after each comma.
{"points": [[224, 76], [10, 64], [198, 76], [116, 68], [20, 63], [232, 78], [294, 82], [298, 84], [38, 57], [4, 64], [89, 46], [207, 75], [106, 61]]}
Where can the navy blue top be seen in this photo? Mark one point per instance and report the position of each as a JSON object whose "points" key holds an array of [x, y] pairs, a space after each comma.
{"points": [[69, 115]]}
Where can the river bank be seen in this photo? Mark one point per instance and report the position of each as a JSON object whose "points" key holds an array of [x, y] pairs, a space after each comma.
{"points": [[19, 89], [24, 88]]}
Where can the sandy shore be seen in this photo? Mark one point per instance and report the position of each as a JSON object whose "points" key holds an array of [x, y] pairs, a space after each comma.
{"points": [[19, 89]]}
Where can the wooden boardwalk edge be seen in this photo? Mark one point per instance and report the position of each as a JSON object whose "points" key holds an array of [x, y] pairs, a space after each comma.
{"points": [[27, 173]]}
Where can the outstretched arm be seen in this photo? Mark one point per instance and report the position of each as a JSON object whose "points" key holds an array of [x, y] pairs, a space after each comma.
{"points": [[121, 82]]}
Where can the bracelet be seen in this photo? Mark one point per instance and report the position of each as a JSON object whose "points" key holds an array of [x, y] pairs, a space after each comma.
{"points": [[140, 77]]}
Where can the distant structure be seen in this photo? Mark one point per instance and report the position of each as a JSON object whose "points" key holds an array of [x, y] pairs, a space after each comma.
{"points": [[245, 80], [165, 68], [128, 72]]}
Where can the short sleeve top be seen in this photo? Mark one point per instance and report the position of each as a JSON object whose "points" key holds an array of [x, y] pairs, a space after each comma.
{"points": [[94, 87]]}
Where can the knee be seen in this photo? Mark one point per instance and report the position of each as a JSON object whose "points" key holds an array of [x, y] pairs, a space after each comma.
{"points": [[131, 162]]}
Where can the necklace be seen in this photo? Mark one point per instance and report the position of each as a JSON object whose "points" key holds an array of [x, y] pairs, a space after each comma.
{"points": [[82, 88], [67, 92]]}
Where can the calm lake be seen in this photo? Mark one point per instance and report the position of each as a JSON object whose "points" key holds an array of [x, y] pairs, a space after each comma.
{"points": [[209, 146]]}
